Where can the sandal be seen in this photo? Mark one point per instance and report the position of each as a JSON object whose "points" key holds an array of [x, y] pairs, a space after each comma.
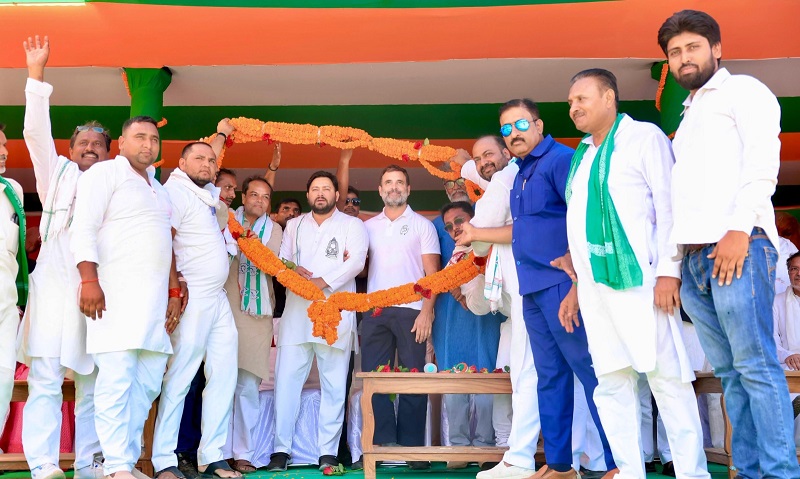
{"points": [[243, 465], [211, 469], [171, 472]]}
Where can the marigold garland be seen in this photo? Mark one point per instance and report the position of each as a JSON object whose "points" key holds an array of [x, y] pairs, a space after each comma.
{"points": [[325, 313]]}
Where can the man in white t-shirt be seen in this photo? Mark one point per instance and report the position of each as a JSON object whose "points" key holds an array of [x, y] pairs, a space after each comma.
{"points": [[403, 248]]}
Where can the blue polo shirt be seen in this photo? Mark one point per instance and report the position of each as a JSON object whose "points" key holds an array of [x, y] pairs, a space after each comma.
{"points": [[539, 210]]}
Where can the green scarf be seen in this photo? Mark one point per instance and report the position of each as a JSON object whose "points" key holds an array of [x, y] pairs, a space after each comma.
{"points": [[22, 257], [610, 254]]}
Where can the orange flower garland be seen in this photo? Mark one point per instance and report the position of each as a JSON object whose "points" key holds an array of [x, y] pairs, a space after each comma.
{"points": [[325, 313]]}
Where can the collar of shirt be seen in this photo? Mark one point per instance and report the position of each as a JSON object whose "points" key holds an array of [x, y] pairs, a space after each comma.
{"points": [[589, 139], [406, 212], [713, 83], [151, 170]]}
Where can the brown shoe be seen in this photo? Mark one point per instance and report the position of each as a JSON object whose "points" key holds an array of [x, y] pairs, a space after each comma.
{"points": [[546, 473], [457, 464], [610, 474]]}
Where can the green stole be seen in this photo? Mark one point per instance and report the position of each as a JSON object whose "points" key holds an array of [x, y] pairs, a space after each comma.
{"points": [[610, 254], [22, 257]]}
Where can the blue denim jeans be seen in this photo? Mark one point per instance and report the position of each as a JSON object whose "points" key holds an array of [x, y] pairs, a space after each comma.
{"points": [[734, 324]]}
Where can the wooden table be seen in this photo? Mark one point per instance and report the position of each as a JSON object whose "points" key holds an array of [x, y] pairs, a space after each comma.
{"points": [[17, 462], [708, 383], [424, 383]]}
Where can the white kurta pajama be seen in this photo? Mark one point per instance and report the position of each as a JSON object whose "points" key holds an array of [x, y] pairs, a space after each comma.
{"points": [[206, 330], [52, 338], [9, 314], [122, 224], [627, 334], [320, 249], [786, 331]]}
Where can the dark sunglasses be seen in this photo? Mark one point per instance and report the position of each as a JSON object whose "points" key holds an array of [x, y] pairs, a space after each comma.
{"points": [[353, 201], [521, 125], [456, 222], [95, 129], [453, 183]]}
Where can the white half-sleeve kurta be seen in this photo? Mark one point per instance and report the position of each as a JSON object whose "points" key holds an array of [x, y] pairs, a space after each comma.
{"points": [[53, 325], [621, 325], [122, 224], [320, 249]]}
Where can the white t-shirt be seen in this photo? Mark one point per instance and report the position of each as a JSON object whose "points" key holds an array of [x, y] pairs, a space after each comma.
{"points": [[396, 249]]}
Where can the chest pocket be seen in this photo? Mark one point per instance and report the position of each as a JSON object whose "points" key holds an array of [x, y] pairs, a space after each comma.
{"points": [[533, 197]]}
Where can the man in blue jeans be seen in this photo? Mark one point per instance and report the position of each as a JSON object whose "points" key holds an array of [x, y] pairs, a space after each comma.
{"points": [[539, 236], [727, 159]]}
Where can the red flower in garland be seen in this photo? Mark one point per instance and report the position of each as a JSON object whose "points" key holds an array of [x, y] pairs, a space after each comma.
{"points": [[479, 260], [376, 312], [321, 144], [425, 292], [418, 145], [228, 142], [235, 235], [406, 157], [265, 137]]}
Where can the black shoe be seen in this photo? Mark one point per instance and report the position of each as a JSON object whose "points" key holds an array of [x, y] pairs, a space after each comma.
{"points": [[358, 465], [650, 466], [186, 466], [419, 465], [485, 466], [668, 469], [589, 474], [326, 461], [278, 461]]}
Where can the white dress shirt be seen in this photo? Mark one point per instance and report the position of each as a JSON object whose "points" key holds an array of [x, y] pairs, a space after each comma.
{"points": [[786, 327], [396, 249], [727, 155], [122, 224], [320, 249]]}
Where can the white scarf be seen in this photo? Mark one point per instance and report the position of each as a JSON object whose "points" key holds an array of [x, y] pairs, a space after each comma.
{"points": [[58, 209], [209, 194], [792, 319], [253, 283], [493, 283]]}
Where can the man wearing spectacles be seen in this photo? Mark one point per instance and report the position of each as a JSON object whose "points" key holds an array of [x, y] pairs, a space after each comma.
{"points": [[352, 204], [53, 338], [538, 210]]}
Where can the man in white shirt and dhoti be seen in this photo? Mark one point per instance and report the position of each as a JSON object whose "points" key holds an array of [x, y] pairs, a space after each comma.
{"points": [[329, 249], [122, 244], [13, 275], [206, 331], [618, 224], [53, 336], [252, 301]]}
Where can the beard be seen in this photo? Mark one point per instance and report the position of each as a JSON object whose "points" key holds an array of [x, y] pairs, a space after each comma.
{"points": [[693, 81], [459, 195], [201, 182], [323, 210], [399, 200]]}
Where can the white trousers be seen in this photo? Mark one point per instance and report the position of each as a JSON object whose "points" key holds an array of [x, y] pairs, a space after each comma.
{"points": [[525, 424], [127, 384], [618, 405], [501, 405], [291, 371], [587, 449], [41, 416], [206, 331], [661, 441], [244, 418], [6, 388], [9, 322]]}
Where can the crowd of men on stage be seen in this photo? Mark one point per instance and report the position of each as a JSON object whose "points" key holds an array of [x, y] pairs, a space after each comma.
{"points": [[591, 254]]}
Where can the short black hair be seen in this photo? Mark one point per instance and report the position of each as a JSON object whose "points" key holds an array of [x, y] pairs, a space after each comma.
{"points": [[352, 189], [91, 124], [251, 179], [692, 21], [138, 119], [500, 142], [607, 80], [391, 168], [789, 260], [323, 174], [225, 171], [189, 146], [525, 103], [287, 201], [464, 206], [2, 127]]}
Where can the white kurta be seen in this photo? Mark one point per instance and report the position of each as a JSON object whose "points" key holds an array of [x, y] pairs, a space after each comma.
{"points": [[53, 326], [122, 224], [9, 314], [786, 330], [621, 325], [320, 249]]}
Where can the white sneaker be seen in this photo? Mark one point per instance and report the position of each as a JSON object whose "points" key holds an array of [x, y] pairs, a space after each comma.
{"points": [[93, 471], [47, 471], [501, 471]]}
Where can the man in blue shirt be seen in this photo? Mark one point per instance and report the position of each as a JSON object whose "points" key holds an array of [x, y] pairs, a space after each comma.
{"points": [[539, 236]]}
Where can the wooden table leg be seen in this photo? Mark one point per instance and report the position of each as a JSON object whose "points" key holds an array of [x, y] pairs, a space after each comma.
{"points": [[368, 430]]}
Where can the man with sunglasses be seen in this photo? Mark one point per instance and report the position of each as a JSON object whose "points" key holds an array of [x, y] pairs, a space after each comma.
{"points": [[539, 235], [352, 204], [53, 337]]}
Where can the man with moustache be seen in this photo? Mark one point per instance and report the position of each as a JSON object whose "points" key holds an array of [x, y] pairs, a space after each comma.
{"points": [[252, 299], [727, 237], [462, 336], [206, 331], [122, 244], [618, 224], [287, 209], [316, 242], [403, 248], [538, 210], [53, 336]]}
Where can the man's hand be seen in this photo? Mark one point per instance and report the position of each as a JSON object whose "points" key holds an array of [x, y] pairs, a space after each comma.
{"points": [[303, 272], [224, 126], [793, 362], [184, 295], [467, 235], [92, 300], [667, 294], [458, 296], [319, 283], [346, 155], [568, 311], [564, 263], [423, 325], [461, 156], [36, 54], [729, 255], [276, 157], [173, 314]]}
